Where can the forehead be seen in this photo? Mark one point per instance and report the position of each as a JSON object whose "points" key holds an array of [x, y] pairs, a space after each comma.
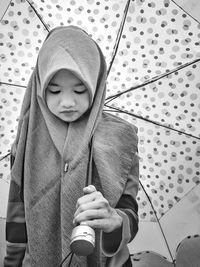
{"points": [[64, 76]]}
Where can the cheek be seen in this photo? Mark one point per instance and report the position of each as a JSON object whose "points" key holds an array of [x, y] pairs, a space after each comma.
{"points": [[86, 103], [50, 101]]}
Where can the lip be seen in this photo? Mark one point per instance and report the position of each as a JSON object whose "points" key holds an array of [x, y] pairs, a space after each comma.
{"points": [[68, 111]]}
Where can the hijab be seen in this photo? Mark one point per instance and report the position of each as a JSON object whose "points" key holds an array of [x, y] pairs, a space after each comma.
{"points": [[51, 156]]}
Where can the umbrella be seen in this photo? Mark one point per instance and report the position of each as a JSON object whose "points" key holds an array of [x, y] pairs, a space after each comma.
{"points": [[153, 52]]}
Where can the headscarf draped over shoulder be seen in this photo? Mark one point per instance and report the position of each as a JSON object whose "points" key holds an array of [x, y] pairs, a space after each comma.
{"points": [[51, 156]]}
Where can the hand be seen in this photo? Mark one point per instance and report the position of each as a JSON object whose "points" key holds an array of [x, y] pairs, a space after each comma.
{"points": [[93, 210]]}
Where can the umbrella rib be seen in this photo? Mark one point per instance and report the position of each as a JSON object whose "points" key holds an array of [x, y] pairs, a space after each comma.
{"points": [[130, 89], [154, 79], [5, 11], [39, 16], [5, 156], [155, 213], [12, 84], [185, 11], [184, 196], [114, 109], [119, 34]]}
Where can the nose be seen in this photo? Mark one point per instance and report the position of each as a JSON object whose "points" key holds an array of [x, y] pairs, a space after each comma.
{"points": [[67, 101]]}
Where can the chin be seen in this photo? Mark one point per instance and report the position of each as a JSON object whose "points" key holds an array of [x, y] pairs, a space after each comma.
{"points": [[68, 120]]}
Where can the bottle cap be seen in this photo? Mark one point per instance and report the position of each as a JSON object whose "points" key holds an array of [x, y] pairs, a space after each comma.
{"points": [[82, 240]]}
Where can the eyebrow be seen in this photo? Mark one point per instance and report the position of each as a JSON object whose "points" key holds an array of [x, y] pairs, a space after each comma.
{"points": [[55, 84]]}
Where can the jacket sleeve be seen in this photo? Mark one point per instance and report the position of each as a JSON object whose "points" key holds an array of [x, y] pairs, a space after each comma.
{"points": [[127, 208], [16, 236]]}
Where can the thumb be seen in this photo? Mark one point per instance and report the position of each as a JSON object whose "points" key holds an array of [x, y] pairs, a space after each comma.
{"points": [[89, 189]]}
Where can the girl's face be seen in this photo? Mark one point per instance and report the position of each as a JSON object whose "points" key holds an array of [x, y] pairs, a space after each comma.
{"points": [[66, 96]]}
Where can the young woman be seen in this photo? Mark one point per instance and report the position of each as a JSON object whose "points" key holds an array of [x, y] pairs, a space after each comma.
{"points": [[61, 118]]}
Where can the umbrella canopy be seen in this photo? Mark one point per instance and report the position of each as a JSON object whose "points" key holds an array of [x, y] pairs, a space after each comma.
{"points": [[153, 52]]}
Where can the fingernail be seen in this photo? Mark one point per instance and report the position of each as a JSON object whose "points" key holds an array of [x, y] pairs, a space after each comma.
{"points": [[92, 187]]}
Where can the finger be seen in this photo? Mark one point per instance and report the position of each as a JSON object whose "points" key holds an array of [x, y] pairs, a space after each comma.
{"points": [[105, 224], [90, 215], [89, 189], [88, 198], [102, 224], [93, 205]]}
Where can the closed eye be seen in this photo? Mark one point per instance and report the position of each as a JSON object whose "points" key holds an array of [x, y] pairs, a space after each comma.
{"points": [[80, 89], [80, 92], [53, 89], [54, 92]]}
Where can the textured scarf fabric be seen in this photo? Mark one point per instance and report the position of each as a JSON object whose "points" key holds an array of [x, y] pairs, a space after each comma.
{"points": [[45, 145]]}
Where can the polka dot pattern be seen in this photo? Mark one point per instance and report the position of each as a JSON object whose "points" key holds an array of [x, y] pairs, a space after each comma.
{"points": [[5, 173], [172, 101], [10, 105], [169, 167], [101, 19], [157, 38], [19, 44]]}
